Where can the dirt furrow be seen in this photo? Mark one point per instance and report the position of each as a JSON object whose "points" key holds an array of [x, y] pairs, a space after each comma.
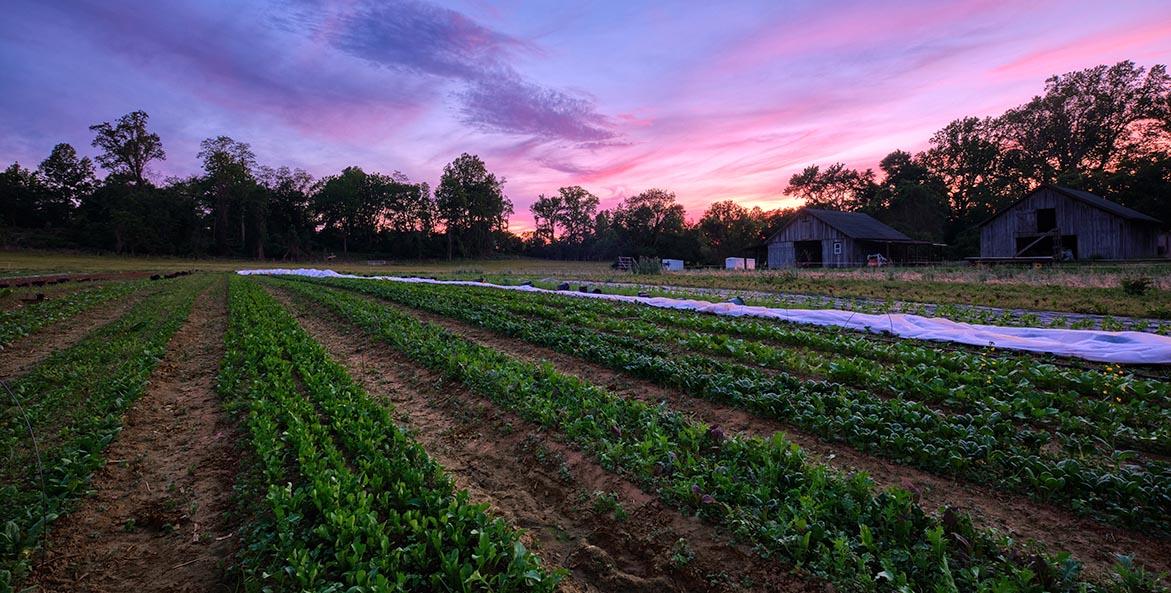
{"points": [[25, 353], [159, 518], [610, 535], [1092, 542]]}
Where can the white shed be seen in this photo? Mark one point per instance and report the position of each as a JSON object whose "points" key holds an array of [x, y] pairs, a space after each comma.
{"points": [[740, 263]]}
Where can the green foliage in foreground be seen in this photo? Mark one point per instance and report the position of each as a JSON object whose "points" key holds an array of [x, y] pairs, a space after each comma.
{"points": [[831, 523], [983, 445], [1108, 408], [350, 501], [75, 400]]}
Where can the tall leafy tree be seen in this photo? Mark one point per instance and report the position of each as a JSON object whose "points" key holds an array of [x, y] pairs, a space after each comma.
{"points": [[351, 205], [834, 188], [578, 213], [728, 229], [646, 220], [472, 205], [966, 157], [409, 214], [127, 147], [236, 204], [66, 179], [21, 193], [290, 220], [1089, 120], [547, 213]]}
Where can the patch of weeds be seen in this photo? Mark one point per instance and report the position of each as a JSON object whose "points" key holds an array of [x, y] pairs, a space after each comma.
{"points": [[715, 579], [1159, 312], [505, 428], [129, 526], [605, 504], [564, 473], [681, 553], [1137, 285]]}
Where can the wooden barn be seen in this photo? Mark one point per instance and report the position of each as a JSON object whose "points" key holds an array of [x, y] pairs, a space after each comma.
{"points": [[1062, 223], [825, 238]]}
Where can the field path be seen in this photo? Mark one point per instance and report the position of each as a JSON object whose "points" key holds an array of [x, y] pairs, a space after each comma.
{"points": [[545, 487], [158, 520], [1092, 542]]}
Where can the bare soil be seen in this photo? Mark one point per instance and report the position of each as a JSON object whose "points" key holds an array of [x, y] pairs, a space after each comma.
{"points": [[561, 498], [159, 518], [1055, 529], [26, 352]]}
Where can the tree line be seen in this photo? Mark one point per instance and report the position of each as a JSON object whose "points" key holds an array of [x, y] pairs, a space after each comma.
{"points": [[1105, 129], [237, 207]]}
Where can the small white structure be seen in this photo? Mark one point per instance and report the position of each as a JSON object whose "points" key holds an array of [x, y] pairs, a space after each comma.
{"points": [[672, 265], [740, 263]]}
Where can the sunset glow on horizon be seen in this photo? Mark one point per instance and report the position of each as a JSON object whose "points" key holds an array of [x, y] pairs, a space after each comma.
{"points": [[709, 101]]}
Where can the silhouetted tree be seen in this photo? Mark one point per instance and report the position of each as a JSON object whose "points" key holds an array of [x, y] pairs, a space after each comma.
{"points": [[644, 221], [66, 179], [1087, 121], [728, 229], [232, 194], [127, 147], [835, 188], [471, 205], [21, 193]]}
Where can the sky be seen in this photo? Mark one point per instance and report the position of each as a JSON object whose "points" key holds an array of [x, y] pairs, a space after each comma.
{"points": [[709, 100]]}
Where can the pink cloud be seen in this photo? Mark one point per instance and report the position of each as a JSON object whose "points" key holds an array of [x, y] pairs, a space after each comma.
{"points": [[1127, 41]]}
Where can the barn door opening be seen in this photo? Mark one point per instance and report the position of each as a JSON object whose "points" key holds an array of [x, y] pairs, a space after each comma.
{"points": [[808, 253]]}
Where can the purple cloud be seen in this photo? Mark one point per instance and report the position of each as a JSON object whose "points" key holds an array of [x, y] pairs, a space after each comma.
{"points": [[507, 103], [422, 38]]}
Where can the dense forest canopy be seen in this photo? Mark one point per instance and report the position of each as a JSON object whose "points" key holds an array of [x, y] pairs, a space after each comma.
{"points": [[1106, 130]]}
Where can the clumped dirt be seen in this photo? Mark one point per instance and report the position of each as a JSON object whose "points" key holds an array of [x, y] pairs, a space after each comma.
{"points": [[159, 518], [1092, 542], [568, 505], [26, 352]]}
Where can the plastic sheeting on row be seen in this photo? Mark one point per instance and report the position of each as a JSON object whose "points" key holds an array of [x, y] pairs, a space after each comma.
{"points": [[1117, 347]]}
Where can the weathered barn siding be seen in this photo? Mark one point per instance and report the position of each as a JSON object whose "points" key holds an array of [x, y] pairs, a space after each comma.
{"points": [[782, 251], [1097, 233]]}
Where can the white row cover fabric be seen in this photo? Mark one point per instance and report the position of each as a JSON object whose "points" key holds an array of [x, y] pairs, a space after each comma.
{"points": [[1101, 346]]}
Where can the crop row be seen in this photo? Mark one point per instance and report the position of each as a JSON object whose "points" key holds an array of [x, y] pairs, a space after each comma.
{"points": [[1123, 415], [26, 320], [986, 448], [956, 312], [1020, 369], [350, 501], [74, 402], [834, 524]]}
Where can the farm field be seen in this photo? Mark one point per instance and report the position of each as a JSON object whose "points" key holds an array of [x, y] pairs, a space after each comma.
{"points": [[280, 433]]}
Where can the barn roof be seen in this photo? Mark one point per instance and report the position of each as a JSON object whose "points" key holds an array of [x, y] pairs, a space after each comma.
{"points": [[854, 225], [1086, 198]]}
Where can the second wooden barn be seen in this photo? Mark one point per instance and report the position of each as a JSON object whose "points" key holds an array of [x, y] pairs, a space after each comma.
{"points": [[1063, 223]]}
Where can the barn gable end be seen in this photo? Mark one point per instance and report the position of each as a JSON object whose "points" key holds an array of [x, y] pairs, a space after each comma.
{"points": [[824, 238], [1053, 221]]}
